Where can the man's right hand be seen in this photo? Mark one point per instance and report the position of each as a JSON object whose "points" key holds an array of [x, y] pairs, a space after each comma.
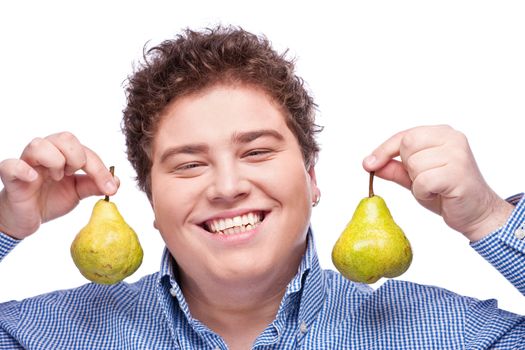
{"points": [[43, 185]]}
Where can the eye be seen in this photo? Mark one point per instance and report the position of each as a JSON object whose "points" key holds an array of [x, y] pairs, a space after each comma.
{"points": [[257, 153], [189, 169], [188, 166]]}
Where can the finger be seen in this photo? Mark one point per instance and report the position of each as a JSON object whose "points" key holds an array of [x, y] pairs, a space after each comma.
{"points": [[71, 149], [384, 153], [406, 143], [422, 138], [100, 174], [426, 159], [16, 169], [86, 186], [41, 152], [78, 157], [431, 183], [395, 171]]}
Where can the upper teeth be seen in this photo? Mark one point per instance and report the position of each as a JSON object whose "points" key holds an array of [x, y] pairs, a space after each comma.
{"points": [[240, 221]]}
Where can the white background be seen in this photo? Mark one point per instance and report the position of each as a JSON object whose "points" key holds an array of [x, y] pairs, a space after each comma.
{"points": [[374, 67]]}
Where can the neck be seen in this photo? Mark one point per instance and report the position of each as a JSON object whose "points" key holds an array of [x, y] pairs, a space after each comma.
{"points": [[237, 310], [238, 320]]}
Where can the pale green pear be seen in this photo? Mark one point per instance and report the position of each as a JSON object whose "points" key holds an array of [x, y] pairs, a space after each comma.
{"points": [[107, 249], [372, 245]]}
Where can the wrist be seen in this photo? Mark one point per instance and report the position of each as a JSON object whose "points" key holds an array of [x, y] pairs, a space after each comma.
{"points": [[494, 218], [5, 231], [7, 228]]}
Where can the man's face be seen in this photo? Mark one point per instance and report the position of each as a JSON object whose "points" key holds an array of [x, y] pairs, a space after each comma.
{"points": [[230, 192]]}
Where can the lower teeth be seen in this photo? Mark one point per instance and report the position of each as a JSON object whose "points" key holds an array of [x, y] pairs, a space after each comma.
{"points": [[236, 229]]}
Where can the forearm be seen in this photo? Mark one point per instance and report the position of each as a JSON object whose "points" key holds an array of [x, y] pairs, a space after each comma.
{"points": [[505, 248]]}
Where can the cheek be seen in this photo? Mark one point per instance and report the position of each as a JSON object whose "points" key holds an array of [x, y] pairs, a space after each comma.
{"points": [[290, 184], [171, 200], [292, 190], [172, 205]]}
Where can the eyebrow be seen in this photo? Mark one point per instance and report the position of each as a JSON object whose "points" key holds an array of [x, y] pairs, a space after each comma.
{"points": [[249, 136], [237, 137], [184, 149]]}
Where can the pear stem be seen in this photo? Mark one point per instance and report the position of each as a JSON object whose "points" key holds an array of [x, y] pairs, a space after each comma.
{"points": [[112, 171], [371, 185]]}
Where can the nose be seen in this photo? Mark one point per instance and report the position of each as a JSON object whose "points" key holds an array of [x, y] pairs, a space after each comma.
{"points": [[229, 184]]}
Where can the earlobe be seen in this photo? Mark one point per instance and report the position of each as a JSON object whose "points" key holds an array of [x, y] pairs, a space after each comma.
{"points": [[316, 192], [316, 200], [150, 198]]}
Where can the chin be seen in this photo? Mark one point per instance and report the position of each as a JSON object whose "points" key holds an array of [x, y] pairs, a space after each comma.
{"points": [[247, 268]]}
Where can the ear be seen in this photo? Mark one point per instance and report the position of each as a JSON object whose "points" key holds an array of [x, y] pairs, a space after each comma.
{"points": [[150, 198], [314, 190]]}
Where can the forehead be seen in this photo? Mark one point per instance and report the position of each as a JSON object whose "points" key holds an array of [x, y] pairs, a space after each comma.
{"points": [[219, 111]]}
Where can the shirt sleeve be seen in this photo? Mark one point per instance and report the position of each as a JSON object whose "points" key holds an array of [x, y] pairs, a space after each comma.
{"points": [[7, 244], [505, 248], [7, 341], [486, 327]]}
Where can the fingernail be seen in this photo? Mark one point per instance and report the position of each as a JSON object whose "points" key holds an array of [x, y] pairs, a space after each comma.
{"points": [[110, 186], [370, 160], [32, 175]]}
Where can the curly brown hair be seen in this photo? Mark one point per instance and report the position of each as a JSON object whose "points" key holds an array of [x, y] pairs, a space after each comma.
{"points": [[196, 60]]}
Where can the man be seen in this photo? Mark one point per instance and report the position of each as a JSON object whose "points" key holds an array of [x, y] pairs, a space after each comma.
{"points": [[221, 134]]}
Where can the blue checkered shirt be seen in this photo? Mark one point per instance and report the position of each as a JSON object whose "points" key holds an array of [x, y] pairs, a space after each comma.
{"points": [[320, 310]]}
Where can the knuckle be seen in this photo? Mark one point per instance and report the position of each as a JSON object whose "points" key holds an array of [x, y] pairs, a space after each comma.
{"points": [[461, 137], [462, 160], [77, 159], [409, 140], [35, 143], [66, 136], [445, 127], [421, 187], [70, 146], [18, 164], [9, 168], [451, 132], [410, 164], [81, 161], [4, 164], [459, 140]]}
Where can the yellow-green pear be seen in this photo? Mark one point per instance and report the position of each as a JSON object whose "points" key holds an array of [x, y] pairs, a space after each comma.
{"points": [[372, 245], [107, 249]]}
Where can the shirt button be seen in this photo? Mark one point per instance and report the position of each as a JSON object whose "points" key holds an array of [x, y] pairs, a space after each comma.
{"points": [[173, 292], [303, 327], [520, 233]]}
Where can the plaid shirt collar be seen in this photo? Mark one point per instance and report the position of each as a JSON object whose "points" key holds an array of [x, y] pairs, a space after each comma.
{"points": [[305, 291]]}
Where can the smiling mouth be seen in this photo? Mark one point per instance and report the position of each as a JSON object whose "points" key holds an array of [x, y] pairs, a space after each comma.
{"points": [[236, 224]]}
